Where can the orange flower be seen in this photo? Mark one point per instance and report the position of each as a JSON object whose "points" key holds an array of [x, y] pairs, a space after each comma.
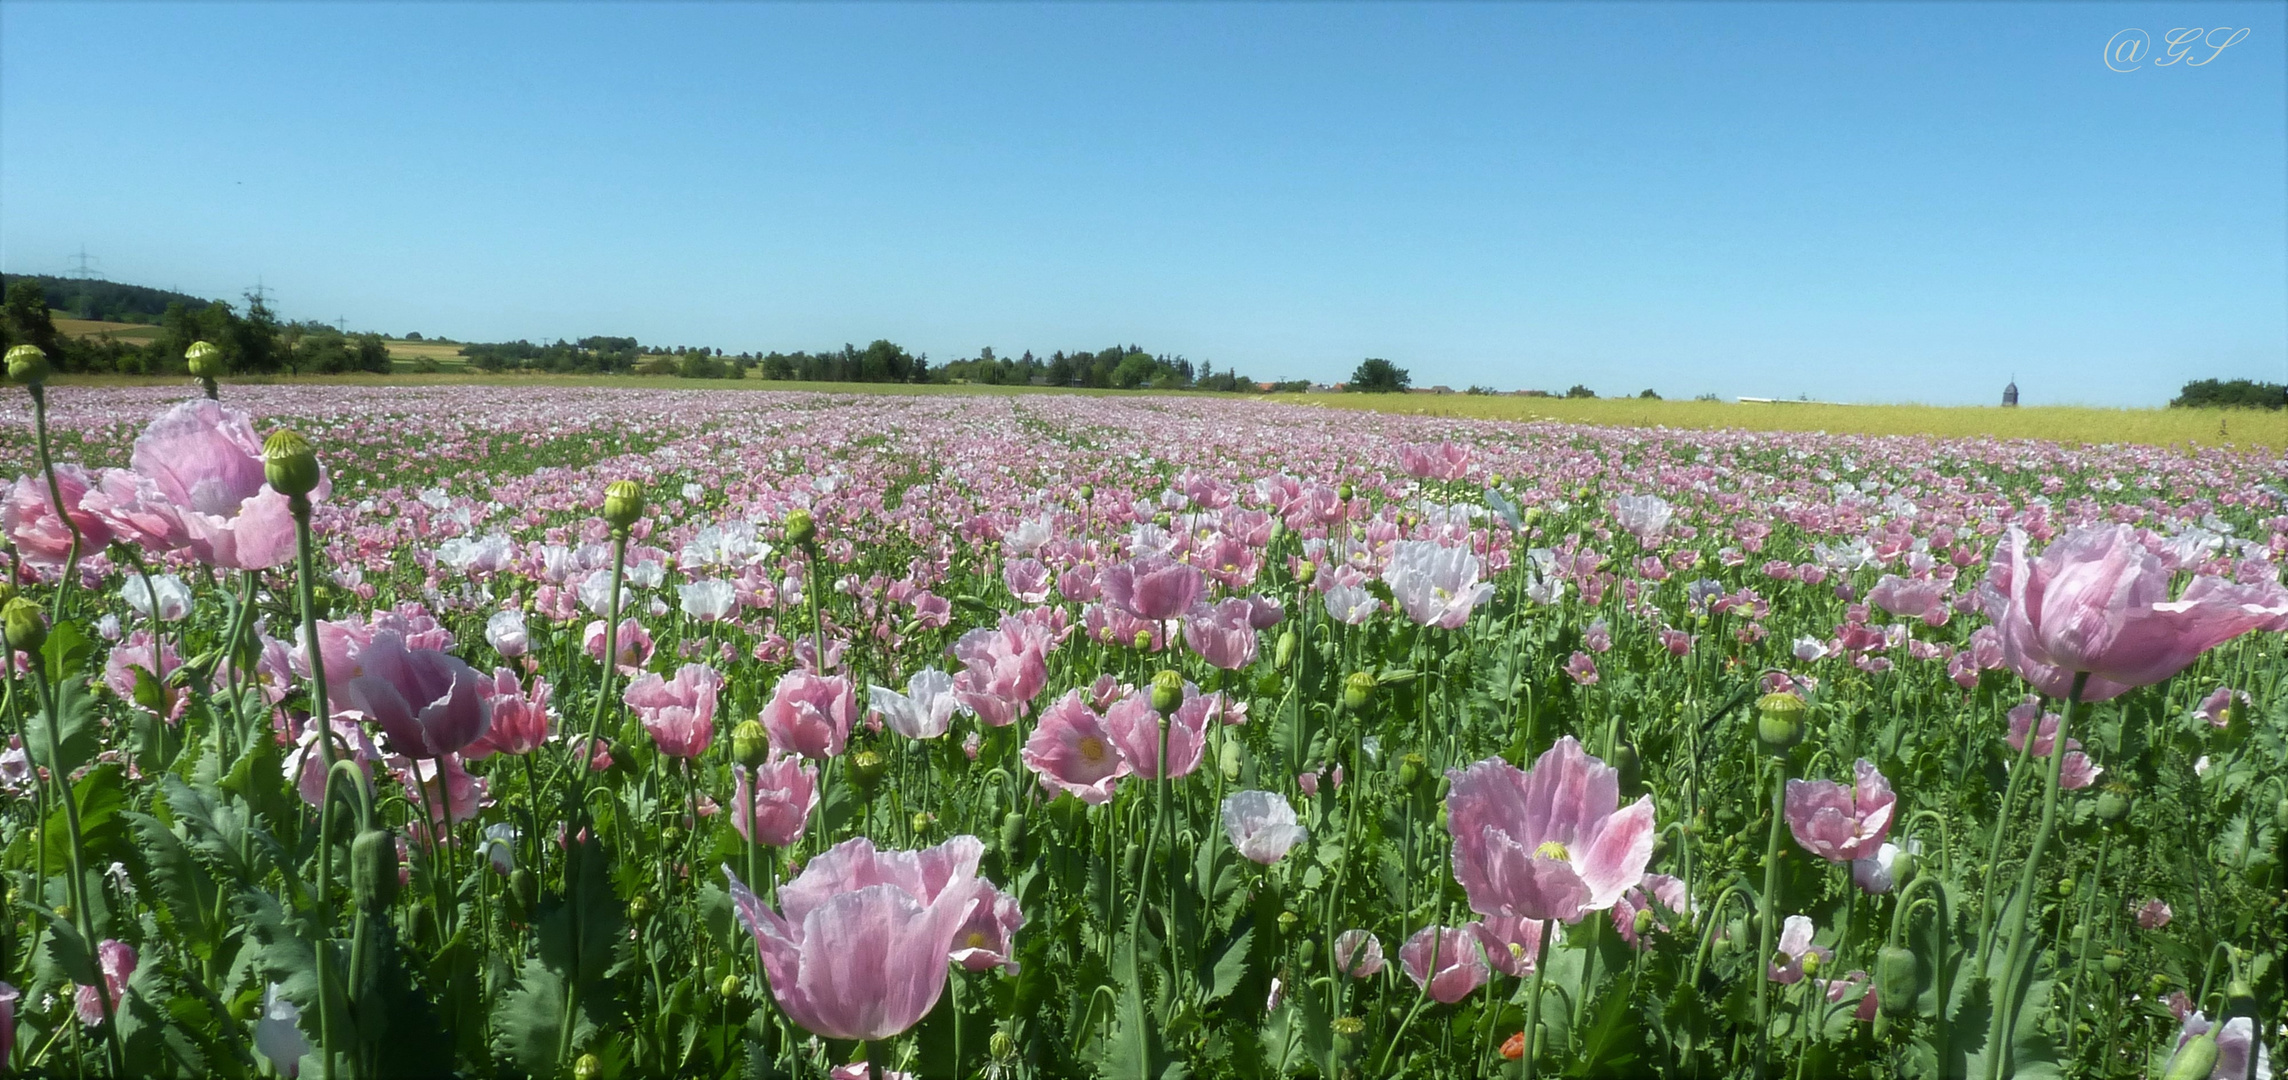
{"points": [[1514, 1048]]}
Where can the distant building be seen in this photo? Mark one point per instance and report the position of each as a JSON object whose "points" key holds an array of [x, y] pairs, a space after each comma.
{"points": [[2010, 395]]}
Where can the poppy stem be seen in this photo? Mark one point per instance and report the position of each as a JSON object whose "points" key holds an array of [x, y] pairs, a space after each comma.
{"points": [[1767, 916], [1533, 999], [1999, 1027]]}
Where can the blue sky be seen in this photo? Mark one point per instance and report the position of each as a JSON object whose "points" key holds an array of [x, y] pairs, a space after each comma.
{"points": [[1855, 201]]}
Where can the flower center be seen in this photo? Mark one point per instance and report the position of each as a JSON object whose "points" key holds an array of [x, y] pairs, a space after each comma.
{"points": [[976, 940], [1551, 849], [1091, 749]]}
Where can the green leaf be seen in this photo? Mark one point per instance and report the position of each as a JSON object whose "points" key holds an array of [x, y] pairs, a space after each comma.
{"points": [[529, 1020], [72, 730], [67, 647], [68, 950], [100, 796], [1230, 966], [183, 888]]}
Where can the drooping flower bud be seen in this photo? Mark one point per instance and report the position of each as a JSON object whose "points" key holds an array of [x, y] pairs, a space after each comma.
{"points": [[2195, 1060], [623, 504], [28, 364], [1358, 690], [750, 744], [1897, 984], [26, 624], [1013, 828], [289, 463], [1167, 692], [373, 869], [801, 528], [1779, 721], [204, 359]]}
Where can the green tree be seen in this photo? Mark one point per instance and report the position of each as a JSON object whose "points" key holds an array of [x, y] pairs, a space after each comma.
{"points": [[24, 318], [1378, 376], [1580, 391], [2200, 393]]}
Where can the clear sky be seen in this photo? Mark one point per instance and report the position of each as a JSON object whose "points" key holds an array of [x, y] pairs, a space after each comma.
{"points": [[1852, 201]]}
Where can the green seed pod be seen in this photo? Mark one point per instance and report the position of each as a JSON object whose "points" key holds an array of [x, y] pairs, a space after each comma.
{"points": [[2239, 996], [205, 360], [2158, 986], [1442, 819], [589, 1067], [866, 768], [639, 907], [2113, 962], [1283, 654], [1533, 516], [1306, 572], [1349, 1026], [1779, 721], [1002, 1045], [289, 463], [1167, 692], [1013, 827], [1345, 492], [750, 744], [923, 819], [1810, 964], [1227, 759], [731, 987], [1643, 923], [2065, 886], [801, 528], [1358, 690], [1410, 769], [2196, 1060], [26, 624], [27, 364], [623, 504], [2112, 802], [1287, 921], [1897, 984], [373, 869], [1142, 640]]}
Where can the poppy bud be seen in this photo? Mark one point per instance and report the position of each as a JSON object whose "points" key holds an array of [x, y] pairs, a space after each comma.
{"points": [[801, 528], [2113, 802], [2113, 962], [1357, 690], [1897, 984], [750, 744], [205, 360], [732, 986], [1142, 640], [1087, 493], [589, 1067], [524, 887], [1283, 653], [1132, 860], [1410, 769], [2239, 996], [1625, 761], [1533, 516], [1013, 826], [1305, 953], [639, 907], [1306, 572], [289, 463], [2195, 1060], [1228, 759], [623, 504], [923, 819], [866, 767], [26, 624], [1345, 492], [1643, 923], [1779, 721], [1002, 1046], [373, 869], [1167, 692], [27, 364]]}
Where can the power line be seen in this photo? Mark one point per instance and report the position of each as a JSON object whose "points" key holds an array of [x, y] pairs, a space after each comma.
{"points": [[85, 271]]}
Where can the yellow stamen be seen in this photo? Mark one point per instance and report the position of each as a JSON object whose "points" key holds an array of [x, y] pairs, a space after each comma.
{"points": [[1551, 849]]}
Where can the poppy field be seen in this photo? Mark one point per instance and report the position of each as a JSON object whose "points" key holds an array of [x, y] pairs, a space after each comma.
{"points": [[367, 731]]}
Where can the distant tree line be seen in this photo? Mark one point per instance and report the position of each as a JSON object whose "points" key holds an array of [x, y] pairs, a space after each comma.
{"points": [[2236, 394], [107, 301], [256, 342], [1117, 367]]}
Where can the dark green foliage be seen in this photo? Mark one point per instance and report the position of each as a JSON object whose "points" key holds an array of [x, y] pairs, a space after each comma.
{"points": [[2235, 394], [1378, 376]]}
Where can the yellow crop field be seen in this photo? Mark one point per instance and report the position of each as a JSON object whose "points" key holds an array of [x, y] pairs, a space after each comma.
{"points": [[87, 328]]}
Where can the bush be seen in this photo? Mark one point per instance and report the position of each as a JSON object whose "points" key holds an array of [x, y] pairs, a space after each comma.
{"points": [[1378, 376], [2237, 394], [1580, 391]]}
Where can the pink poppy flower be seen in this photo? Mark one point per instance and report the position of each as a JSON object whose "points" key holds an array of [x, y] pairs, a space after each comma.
{"points": [[1550, 843], [2153, 915], [2235, 1041], [680, 712], [2097, 601], [859, 948], [454, 798], [1513, 946], [1794, 945], [520, 719], [1223, 634], [924, 711], [1003, 670], [1840, 823], [632, 643], [1027, 580], [28, 516], [772, 803], [1135, 728], [1582, 668], [1912, 598], [205, 465], [305, 765], [1358, 954], [427, 702], [1153, 587], [116, 960], [135, 655], [1444, 461], [1598, 637], [1854, 983], [2077, 771], [1072, 750], [985, 940], [2217, 707], [1447, 962], [810, 714], [1656, 893]]}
